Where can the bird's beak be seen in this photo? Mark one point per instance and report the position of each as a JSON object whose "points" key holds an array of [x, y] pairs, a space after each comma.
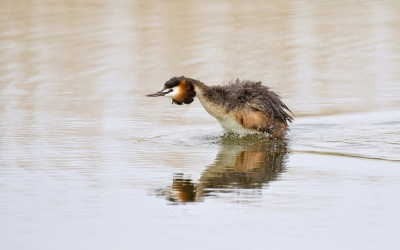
{"points": [[159, 93]]}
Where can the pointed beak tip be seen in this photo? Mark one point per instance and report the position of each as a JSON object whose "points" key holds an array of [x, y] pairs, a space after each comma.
{"points": [[160, 93]]}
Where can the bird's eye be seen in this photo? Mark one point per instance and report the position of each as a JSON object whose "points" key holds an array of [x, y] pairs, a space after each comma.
{"points": [[171, 90]]}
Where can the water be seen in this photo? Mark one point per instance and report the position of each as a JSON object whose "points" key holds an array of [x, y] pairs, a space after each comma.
{"points": [[88, 162]]}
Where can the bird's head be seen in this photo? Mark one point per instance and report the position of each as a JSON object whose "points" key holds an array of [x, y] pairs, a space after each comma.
{"points": [[180, 89]]}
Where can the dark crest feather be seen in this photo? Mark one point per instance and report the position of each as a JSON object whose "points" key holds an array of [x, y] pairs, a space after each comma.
{"points": [[173, 82], [191, 94]]}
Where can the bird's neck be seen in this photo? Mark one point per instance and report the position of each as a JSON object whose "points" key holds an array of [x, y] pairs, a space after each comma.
{"points": [[203, 93], [199, 87]]}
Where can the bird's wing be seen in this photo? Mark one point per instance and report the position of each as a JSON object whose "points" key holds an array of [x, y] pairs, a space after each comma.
{"points": [[271, 103]]}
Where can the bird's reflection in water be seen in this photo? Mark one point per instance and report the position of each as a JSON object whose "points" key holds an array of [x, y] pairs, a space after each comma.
{"points": [[242, 170]]}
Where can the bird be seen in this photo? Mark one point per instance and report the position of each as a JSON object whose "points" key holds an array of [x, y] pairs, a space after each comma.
{"points": [[241, 107]]}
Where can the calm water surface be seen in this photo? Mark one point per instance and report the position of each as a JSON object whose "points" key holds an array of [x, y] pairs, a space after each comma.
{"points": [[88, 162]]}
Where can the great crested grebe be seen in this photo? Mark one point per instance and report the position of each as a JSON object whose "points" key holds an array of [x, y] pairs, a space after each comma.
{"points": [[242, 107]]}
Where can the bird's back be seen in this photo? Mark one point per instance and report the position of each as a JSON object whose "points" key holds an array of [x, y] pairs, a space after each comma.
{"points": [[252, 105]]}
